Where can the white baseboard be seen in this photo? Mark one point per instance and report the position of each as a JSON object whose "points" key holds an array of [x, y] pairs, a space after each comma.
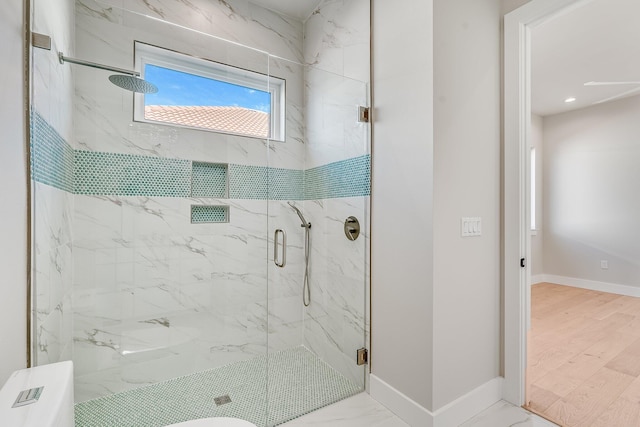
{"points": [[538, 278], [612, 288], [452, 414], [403, 406]]}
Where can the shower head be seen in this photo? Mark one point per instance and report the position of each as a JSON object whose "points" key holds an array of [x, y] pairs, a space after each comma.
{"points": [[304, 221], [127, 79], [133, 83]]}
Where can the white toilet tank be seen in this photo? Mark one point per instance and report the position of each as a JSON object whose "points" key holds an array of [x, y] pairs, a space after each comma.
{"points": [[51, 406]]}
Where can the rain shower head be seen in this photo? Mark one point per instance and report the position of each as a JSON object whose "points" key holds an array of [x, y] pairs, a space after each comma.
{"points": [[132, 83], [304, 221], [127, 79]]}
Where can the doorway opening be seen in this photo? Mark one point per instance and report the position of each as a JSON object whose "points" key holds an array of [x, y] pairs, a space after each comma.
{"points": [[571, 357]]}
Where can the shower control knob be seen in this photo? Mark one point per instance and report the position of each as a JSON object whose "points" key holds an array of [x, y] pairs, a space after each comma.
{"points": [[351, 228]]}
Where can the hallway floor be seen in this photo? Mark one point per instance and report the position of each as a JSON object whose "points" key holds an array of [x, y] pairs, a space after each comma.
{"points": [[584, 357]]}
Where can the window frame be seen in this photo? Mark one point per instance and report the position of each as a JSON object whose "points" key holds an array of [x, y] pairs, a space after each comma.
{"points": [[145, 53]]}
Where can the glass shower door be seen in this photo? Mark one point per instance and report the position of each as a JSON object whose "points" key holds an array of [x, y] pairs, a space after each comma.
{"points": [[149, 237], [318, 188]]}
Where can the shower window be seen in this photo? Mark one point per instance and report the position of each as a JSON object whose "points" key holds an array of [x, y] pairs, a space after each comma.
{"points": [[207, 95]]}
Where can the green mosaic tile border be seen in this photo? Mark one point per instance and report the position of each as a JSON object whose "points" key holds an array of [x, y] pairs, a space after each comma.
{"points": [[209, 180], [51, 156], [346, 178], [55, 163], [267, 391], [100, 173], [248, 182], [202, 214], [286, 184], [257, 182]]}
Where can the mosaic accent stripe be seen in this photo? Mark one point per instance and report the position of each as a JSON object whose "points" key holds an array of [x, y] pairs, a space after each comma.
{"points": [[55, 163], [207, 214], [209, 180], [99, 173], [248, 182], [286, 184], [298, 382], [258, 182], [346, 178], [51, 155]]}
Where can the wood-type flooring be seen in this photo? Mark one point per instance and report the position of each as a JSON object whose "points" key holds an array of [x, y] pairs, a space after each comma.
{"points": [[583, 367]]}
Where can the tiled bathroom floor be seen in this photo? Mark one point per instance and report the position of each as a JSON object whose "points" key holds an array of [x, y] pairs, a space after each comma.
{"points": [[363, 411], [357, 411], [298, 383]]}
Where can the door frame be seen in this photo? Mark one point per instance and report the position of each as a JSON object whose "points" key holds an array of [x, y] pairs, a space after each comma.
{"points": [[516, 151]]}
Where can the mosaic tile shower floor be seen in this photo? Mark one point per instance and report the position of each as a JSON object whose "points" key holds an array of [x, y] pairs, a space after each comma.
{"points": [[299, 382]]}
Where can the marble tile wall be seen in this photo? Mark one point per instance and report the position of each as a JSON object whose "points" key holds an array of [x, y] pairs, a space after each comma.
{"points": [[336, 47], [158, 297], [155, 296], [334, 323], [52, 201]]}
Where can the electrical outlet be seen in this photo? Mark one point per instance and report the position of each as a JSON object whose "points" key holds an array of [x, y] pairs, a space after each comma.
{"points": [[604, 264]]}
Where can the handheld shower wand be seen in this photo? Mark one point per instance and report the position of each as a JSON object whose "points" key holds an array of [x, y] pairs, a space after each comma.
{"points": [[306, 291], [304, 221]]}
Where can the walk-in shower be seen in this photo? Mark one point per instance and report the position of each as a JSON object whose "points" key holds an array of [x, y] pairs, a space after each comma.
{"points": [[154, 214]]}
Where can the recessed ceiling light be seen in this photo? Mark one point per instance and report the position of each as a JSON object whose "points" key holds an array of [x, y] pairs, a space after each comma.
{"points": [[568, 100]]}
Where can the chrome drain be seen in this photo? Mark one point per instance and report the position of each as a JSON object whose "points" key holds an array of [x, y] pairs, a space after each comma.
{"points": [[222, 400]]}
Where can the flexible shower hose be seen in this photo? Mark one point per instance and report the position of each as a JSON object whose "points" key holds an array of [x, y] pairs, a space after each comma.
{"points": [[306, 291]]}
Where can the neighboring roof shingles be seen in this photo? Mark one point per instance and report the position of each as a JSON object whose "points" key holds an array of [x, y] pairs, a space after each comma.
{"points": [[225, 119]]}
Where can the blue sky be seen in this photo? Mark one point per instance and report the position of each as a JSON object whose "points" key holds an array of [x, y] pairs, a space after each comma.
{"points": [[178, 88]]}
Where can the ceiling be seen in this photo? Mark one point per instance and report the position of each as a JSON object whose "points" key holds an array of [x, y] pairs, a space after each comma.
{"points": [[599, 41], [299, 9]]}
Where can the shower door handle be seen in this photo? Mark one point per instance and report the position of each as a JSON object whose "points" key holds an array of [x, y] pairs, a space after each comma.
{"points": [[282, 259]]}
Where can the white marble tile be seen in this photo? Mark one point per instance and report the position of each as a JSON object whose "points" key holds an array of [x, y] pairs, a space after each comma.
{"points": [[332, 130], [144, 260], [236, 20], [53, 89], [337, 38], [363, 411], [503, 414], [335, 321], [357, 411], [53, 261]]}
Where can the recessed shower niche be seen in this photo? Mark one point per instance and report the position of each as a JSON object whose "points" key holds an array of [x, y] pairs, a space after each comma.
{"points": [[209, 180], [152, 308]]}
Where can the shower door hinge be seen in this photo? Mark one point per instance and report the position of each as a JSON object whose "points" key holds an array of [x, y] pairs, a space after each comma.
{"points": [[362, 356], [41, 41], [363, 114]]}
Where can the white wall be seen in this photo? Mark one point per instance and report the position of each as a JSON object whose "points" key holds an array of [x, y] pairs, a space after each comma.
{"points": [[13, 209], [537, 238], [591, 203], [436, 158], [466, 296], [509, 5], [402, 199]]}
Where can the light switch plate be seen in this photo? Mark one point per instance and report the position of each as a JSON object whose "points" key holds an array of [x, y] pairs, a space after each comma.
{"points": [[471, 226]]}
